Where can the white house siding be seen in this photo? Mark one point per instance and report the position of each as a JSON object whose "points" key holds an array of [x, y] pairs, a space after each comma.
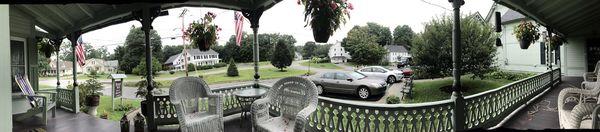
{"points": [[573, 57], [337, 54], [5, 84]]}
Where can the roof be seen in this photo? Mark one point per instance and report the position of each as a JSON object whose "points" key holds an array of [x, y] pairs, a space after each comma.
{"points": [[570, 18], [111, 63], [117, 76], [510, 16], [61, 19], [191, 52], [395, 48]]}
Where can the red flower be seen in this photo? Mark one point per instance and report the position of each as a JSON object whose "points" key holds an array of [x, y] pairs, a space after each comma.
{"points": [[298, 2], [350, 6], [333, 5]]}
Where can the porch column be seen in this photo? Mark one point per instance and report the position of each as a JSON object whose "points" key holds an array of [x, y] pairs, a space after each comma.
{"points": [[73, 38], [146, 16], [56, 45], [5, 83], [458, 113], [254, 17]]}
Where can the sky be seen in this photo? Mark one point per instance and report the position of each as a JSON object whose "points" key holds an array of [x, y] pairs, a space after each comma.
{"points": [[287, 17]]}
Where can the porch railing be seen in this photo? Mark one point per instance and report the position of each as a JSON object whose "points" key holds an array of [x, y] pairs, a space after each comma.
{"points": [[482, 110], [66, 99]]}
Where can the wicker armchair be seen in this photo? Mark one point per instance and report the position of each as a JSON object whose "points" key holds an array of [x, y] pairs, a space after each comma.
{"points": [[185, 93], [296, 98], [592, 76], [572, 119]]}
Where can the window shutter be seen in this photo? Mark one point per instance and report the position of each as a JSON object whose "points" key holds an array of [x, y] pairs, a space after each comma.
{"points": [[542, 53]]}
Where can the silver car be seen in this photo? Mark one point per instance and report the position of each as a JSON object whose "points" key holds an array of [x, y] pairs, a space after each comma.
{"points": [[349, 83], [391, 76]]}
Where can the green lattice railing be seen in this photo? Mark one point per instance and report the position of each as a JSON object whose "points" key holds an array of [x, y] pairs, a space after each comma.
{"points": [[66, 99]]}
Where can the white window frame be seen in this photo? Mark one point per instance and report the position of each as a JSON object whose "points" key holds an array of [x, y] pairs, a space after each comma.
{"points": [[26, 65]]}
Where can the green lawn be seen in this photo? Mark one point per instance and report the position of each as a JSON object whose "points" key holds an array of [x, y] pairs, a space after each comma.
{"points": [[105, 106], [428, 90], [321, 65]]}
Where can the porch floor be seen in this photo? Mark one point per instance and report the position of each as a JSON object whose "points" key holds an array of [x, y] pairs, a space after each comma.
{"points": [[67, 122], [543, 113]]}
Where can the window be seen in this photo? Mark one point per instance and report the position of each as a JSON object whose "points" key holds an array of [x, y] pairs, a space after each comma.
{"points": [[367, 70], [340, 76], [17, 62], [378, 70], [327, 76]]}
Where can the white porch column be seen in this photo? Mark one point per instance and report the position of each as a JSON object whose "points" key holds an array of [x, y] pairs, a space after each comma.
{"points": [[5, 88]]}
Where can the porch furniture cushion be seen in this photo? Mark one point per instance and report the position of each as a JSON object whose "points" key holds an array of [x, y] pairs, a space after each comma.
{"points": [[295, 97], [40, 101], [185, 93], [592, 76], [565, 114]]}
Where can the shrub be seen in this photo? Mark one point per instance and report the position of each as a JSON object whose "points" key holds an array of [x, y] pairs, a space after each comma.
{"points": [[124, 107], [191, 67], [513, 76], [171, 72], [431, 49], [393, 99], [104, 115], [232, 69], [206, 67], [219, 65]]}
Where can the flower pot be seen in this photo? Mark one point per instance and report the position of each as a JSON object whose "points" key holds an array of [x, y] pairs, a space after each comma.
{"points": [[92, 100], [321, 35], [203, 44], [321, 28], [524, 43]]}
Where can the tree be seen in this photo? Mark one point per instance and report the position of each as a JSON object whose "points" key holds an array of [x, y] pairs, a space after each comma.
{"points": [[232, 70], [140, 69], [43, 64], [281, 57], [170, 50], [432, 48], [244, 52], [403, 35], [135, 49], [322, 50], [382, 33], [191, 67], [363, 46], [309, 49]]}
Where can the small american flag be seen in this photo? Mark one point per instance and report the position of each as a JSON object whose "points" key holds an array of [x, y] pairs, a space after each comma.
{"points": [[80, 52], [239, 25]]}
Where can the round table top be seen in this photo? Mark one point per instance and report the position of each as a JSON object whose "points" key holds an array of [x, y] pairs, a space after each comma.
{"points": [[250, 92]]}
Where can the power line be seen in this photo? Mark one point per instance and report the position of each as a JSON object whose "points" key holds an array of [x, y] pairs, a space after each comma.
{"points": [[435, 5]]}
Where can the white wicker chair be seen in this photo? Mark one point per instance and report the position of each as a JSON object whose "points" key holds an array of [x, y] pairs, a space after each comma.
{"points": [[572, 119], [185, 93], [592, 76], [296, 98]]}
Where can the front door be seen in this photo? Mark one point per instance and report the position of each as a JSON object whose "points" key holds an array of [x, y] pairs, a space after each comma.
{"points": [[593, 53]]}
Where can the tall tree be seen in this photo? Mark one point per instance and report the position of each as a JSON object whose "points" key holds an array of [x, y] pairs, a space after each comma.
{"points": [[135, 45], [363, 47], [432, 48], [309, 49], [281, 57], [403, 35], [383, 34]]}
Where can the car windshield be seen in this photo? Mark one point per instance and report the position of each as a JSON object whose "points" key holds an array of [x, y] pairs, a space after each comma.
{"points": [[357, 75]]}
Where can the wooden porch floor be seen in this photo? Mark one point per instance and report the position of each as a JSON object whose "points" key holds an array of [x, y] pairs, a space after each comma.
{"points": [[543, 113], [67, 122]]}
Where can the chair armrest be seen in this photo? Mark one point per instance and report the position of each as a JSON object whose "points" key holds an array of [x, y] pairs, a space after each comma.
{"points": [[260, 110], [564, 94], [51, 93], [302, 118], [589, 76], [579, 111], [215, 103], [595, 119]]}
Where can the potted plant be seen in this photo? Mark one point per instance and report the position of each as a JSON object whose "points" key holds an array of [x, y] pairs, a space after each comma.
{"points": [[45, 47], [526, 33], [90, 89], [325, 16], [554, 42], [203, 33]]}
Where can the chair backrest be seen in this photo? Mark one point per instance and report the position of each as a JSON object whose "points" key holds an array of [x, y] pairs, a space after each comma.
{"points": [[293, 94], [187, 91], [597, 68], [26, 88]]}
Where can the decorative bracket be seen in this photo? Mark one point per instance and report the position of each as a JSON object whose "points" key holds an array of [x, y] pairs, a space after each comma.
{"points": [[253, 16]]}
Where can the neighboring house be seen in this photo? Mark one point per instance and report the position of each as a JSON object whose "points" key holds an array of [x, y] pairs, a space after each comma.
{"points": [[395, 52], [100, 66], [337, 54], [297, 56], [511, 57], [66, 68], [111, 66], [195, 56]]}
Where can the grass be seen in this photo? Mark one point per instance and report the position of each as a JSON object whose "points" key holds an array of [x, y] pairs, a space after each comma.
{"points": [[105, 106], [428, 90], [321, 65]]}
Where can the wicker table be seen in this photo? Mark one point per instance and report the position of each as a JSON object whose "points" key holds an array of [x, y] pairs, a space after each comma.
{"points": [[247, 96]]}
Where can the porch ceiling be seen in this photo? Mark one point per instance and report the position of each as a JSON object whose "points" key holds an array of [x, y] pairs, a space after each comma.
{"points": [[572, 18], [59, 20]]}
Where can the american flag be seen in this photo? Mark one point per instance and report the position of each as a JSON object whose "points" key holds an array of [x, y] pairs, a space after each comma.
{"points": [[239, 25], [80, 52]]}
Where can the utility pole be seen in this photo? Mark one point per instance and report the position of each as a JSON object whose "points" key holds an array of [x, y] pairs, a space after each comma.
{"points": [[185, 54]]}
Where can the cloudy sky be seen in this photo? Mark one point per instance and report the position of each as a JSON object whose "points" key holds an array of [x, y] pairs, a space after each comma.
{"points": [[287, 18]]}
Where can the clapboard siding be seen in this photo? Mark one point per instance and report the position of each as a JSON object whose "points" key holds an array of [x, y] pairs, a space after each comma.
{"points": [[574, 57], [21, 24]]}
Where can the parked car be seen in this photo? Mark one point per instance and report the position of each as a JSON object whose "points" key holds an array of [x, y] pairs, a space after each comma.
{"points": [[403, 62], [391, 76], [349, 83]]}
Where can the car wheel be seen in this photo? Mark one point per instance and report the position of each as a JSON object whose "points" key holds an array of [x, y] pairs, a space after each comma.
{"points": [[391, 79], [363, 92], [319, 89]]}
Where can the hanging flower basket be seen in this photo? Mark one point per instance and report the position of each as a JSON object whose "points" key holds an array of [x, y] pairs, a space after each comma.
{"points": [[555, 41], [203, 33], [45, 47], [526, 33], [325, 16]]}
